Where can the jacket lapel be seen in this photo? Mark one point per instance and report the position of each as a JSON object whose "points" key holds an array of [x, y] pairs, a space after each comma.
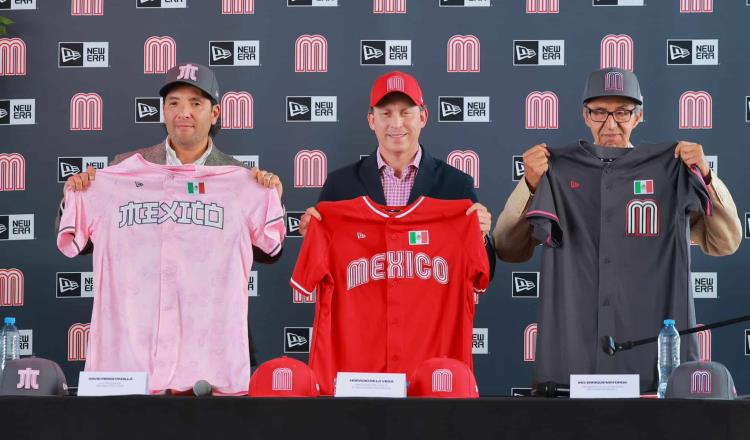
{"points": [[425, 177], [370, 178]]}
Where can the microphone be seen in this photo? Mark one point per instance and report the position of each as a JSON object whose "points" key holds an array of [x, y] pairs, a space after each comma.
{"points": [[202, 388], [551, 389]]}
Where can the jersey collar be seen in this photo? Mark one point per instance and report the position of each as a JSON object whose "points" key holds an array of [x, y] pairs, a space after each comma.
{"points": [[400, 212]]}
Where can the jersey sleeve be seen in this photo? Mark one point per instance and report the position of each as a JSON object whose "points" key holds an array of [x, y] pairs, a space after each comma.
{"points": [[693, 190], [313, 260], [76, 221], [479, 266], [542, 215], [267, 227]]}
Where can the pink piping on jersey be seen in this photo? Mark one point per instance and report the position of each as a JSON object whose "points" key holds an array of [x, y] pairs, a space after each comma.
{"points": [[694, 169], [543, 214], [299, 287], [403, 214]]}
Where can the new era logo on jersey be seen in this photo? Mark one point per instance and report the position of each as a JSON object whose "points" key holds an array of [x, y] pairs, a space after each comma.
{"points": [[17, 227], [704, 284], [83, 54], [465, 3], [297, 339], [525, 284], [318, 3], [385, 52], [74, 284], [69, 166], [643, 187], [17, 111], [234, 53], [252, 284], [361, 235], [292, 223], [692, 52], [148, 110], [618, 2], [164, 4], [417, 238], [479, 341], [464, 109], [311, 109], [518, 168], [250, 161], [539, 52]]}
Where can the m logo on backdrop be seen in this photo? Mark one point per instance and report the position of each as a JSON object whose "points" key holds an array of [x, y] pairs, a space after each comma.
{"points": [[238, 7], [237, 111], [617, 51], [11, 287], [297, 339], [293, 219], [704, 345], [466, 161], [12, 57], [311, 109], [86, 7], [12, 172], [310, 169], [69, 166], [148, 110], [696, 6], [525, 284], [300, 298], [311, 54], [234, 53], [542, 6], [541, 111], [529, 343], [480, 341], [78, 341], [518, 168], [464, 53], [86, 112], [696, 110], [159, 54], [389, 6]]}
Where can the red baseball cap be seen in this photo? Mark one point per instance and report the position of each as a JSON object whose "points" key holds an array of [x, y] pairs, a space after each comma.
{"points": [[443, 377], [396, 82], [284, 377]]}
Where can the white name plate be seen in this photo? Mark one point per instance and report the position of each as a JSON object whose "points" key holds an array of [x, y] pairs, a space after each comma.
{"points": [[116, 383], [604, 386], [370, 385]]}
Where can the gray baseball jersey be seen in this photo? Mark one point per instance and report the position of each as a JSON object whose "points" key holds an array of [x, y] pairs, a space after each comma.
{"points": [[615, 223]]}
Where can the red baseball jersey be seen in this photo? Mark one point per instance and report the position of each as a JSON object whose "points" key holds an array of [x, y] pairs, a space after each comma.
{"points": [[395, 285]]}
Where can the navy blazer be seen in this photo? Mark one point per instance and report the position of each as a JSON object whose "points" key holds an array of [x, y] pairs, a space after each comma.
{"points": [[435, 179]]}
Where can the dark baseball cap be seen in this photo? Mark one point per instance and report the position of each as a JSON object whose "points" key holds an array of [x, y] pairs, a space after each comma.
{"points": [[612, 82], [33, 376], [701, 380], [193, 74]]}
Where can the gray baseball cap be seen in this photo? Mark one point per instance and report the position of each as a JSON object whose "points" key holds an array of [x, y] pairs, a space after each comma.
{"points": [[701, 380], [193, 74], [612, 82], [33, 376]]}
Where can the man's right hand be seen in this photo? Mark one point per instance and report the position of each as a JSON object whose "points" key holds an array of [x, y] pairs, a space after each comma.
{"points": [[535, 164], [304, 221], [81, 181]]}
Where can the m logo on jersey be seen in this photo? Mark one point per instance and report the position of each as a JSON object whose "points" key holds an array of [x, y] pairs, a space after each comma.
{"points": [[159, 54], [78, 341], [293, 219], [12, 57], [389, 6], [310, 169], [311, 54], [518, 168], [85, 54], [11, 287], [12, 172], [385, 52], [529, 343], [86, 112], [302, 298], [69, 166], [525, 284], [17, 227], [696, 6], [250, 161], [466, 161], [17, 111], [692, 52], [234, 53], [252, 284], [311, 109], [297, 339], [696, 110], [480, 341], [74, 284], [465, 3], [542, 6], [464, 53], [541, 111], [705, 284], [164, 4], [317, 3], [148, 110], [642, 218], [237, 111], [618, 2], [238, 6], [464, 109], [17, 4], [617, 51], [539, 52]]}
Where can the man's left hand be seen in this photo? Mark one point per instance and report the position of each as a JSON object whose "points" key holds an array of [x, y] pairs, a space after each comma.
{"points": [[692, 155], [268, 179], [484, 216]]}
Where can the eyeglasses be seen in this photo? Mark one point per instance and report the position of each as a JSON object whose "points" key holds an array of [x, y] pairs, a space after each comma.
{"points": [[601, 115]]}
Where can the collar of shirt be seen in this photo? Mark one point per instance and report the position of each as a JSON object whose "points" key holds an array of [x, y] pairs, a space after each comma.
{"points": [[172, 158], [385, 168]]}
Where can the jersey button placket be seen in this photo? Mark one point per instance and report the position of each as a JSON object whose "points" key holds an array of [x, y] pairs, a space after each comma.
{"points": [[393, 303], [607, 271]]}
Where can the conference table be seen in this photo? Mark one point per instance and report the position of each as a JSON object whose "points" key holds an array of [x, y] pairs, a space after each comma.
{"points": [[179, 417]]}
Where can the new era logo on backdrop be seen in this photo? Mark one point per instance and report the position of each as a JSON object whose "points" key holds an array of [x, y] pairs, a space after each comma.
{"points": [[747, 107], [297, 339], [166, 4], [12, 57], [250, 161], [83, 54], [518, 168], [18, 4], [542, 6], [525, 285], [78, 341], [74, 284], [293, 219], [616, 51], [234, 53], [696, 6], [464, 54], [12, 172], [318, 3], [465, 3], [311, 54], [385, 52], [159, 54], [704, 284], [696, 110], [70, 166], [464, 109], [466, 161], [237, 111], [310, 169], [311, 109], [11, 287], [148, 110], [542, 111], [692, 52], [26, 342], [479, 341], [538, 52], [713, 163], [238, 6], [389, 6], [17, 111], [618, 2], [17, 227], [252, 284], [529, 343], [86, 7], [747, 342], [86, 112]]}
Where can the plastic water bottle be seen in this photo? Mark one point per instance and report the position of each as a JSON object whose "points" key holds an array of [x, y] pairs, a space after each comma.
{"points": [[669, 354], [9, 342]]}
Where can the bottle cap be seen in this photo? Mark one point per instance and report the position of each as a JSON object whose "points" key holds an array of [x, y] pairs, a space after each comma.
{"points": [[669, 322], [9, 320]]}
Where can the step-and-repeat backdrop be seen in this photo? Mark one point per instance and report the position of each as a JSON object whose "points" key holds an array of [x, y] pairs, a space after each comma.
{"points": [[79, 83]]}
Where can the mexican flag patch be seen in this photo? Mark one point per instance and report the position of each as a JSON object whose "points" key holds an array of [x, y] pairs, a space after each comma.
{"points": [[196, 188], [643, 187], [419, 237]]}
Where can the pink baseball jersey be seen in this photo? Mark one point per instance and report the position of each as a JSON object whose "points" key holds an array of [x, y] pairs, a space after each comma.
{"points": [[395, 286], [172, 258]]}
